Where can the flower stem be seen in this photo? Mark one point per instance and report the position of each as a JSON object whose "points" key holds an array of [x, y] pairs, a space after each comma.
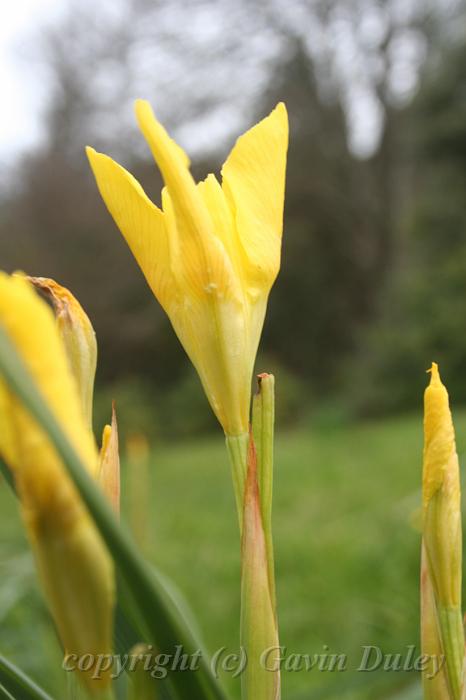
{"points": [[251, 458], [237, 446], [263, 420]]}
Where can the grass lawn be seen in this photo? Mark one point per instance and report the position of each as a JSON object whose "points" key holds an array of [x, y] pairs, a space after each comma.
{"points": [[347, 553]]}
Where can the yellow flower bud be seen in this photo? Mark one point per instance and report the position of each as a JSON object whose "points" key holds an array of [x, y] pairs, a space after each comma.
{"points": [[441, 494], [109, 473], [212, 253], [442, 623], [74, 566], [78, 337]]}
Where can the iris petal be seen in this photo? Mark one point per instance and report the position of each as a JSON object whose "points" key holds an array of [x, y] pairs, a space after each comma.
{"points": [[139, 220], [254, 182]]}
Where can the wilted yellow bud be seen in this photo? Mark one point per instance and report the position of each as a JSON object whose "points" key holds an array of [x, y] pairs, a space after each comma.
{"points": [[74, 565], [78, 337], [212, 253]]}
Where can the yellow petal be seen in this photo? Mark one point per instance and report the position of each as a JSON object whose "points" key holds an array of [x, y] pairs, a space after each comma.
{"points": [[78, 337], [7, 442], [199, 249], [169, 156], [201, 267], [139, 220], [254, 181], [174, 166], [222, 219]]}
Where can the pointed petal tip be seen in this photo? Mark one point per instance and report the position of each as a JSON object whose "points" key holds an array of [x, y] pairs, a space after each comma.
{"points": [[94, 156], [281, 109], [143, 108], [90, 152], [145, 116], [279, 115], [98, 161], [157, 136], [434, 375]]}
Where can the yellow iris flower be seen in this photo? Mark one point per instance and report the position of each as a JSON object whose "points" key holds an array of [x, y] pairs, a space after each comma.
{"points": [[73, 563], [212, 253]]}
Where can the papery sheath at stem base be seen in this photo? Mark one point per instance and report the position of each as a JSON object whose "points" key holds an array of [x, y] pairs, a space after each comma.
{"points": [[259, 633]]}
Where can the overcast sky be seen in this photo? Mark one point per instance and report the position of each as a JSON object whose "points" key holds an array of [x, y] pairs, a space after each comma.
{"points": [[24, 89], [21, 96]]}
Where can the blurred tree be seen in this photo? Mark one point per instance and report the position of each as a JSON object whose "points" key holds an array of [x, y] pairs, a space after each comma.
{"points": [[346, 68], [324, 284], [425, 307]]}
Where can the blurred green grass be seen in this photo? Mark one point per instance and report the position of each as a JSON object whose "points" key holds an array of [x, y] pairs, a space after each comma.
{"points": [[347, 553]]}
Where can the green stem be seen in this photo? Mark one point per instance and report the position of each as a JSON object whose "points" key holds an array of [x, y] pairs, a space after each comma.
{"points": [[18, 684], [252, 471], [237, 446], [263, 420]]}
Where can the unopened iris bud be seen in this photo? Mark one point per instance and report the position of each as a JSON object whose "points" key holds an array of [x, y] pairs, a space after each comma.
{"points": [[441, 494], [74, 565], [212, 253], [442, 548], [78, 337]]}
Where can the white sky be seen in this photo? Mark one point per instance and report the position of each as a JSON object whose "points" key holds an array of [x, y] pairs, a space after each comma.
{"points": [[23, 89], [21, 96]]}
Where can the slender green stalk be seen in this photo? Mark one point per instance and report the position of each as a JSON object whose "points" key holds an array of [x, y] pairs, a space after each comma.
{"points": [[7, 474], [237, 446], [4, 694], [18, 684], [263, 420], [157, 616]]}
